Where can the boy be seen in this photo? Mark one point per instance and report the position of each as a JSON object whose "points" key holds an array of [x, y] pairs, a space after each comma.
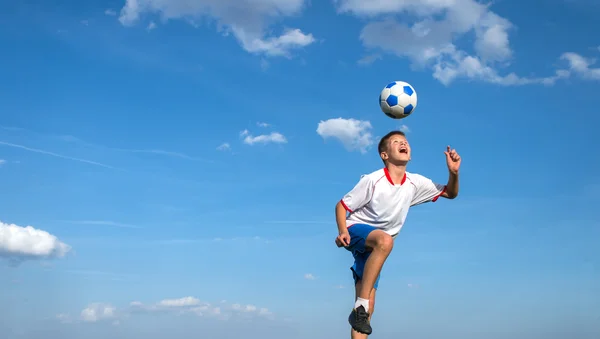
{"points": [[371, 215]]}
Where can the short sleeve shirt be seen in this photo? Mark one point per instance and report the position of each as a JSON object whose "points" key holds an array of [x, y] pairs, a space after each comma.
{"points": [[377, 201]]}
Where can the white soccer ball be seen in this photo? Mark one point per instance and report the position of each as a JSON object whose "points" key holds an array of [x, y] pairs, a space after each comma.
{"points": [[398, 100]]}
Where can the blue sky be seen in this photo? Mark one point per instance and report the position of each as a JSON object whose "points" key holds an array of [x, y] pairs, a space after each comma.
{"points": [[179, 163]]}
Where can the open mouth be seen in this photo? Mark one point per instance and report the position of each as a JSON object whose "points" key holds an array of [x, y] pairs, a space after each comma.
{"points": [[403, 150]]}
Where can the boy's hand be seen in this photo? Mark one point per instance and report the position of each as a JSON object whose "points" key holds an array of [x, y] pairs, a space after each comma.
{"points": [[343, 239], [452, 160]]}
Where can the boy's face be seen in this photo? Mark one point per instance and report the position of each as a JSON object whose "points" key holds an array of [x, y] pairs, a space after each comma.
{"points": [[398, 150]]}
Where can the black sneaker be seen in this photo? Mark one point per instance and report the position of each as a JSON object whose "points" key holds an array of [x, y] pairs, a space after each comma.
{"points": [[359, 320]]}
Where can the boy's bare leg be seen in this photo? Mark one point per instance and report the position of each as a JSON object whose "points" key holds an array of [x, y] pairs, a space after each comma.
{"points": [[353, 333], [380, 244]]}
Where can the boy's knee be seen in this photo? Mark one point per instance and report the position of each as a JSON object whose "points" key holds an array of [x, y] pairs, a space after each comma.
{"points": [[382, 241]]}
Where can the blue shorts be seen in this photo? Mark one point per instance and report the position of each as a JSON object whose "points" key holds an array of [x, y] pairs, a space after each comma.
{"points": [[358, 237]]}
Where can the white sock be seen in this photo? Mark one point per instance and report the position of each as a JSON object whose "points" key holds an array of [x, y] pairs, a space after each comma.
{"points": [[362, 302]]}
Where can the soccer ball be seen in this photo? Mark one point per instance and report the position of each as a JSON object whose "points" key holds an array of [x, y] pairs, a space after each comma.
{"points": [[398, 100]]}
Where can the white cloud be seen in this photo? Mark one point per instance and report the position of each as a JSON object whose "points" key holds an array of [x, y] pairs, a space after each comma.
{"points": [[151, 26], [244, 308], [181, 302], [461, 65], [581, 66], [96, 312], [262, 124], [273, 137], [427, 38], [18, 243], [377, 7], [429, 29], [353, 134], [247, 20], [2, 162], [276, 46], [224, 147], [180, 305], [404, 128], [368, 59], [64, 318], [110, 12], [309, 276]]}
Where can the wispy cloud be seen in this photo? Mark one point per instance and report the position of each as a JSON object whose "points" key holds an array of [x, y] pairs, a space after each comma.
{"points": [[2, 162], [106, 312], [100, 223], [262, 124], [52, 154], [582, 66], [73, 139], [224, 147], [404, 128], [12, 128], [309, 276], [273, 137], [369, 59], [64, 318], [79, 141], [110, 12]]}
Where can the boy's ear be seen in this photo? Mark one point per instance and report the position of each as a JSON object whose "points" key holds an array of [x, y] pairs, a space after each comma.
{"points": [[383, 155]]}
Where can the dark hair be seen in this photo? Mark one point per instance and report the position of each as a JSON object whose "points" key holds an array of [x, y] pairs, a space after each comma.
{"points": [[383, 142]]}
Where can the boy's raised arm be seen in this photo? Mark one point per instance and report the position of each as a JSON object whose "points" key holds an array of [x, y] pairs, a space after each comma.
{"points": [[453, 161]]}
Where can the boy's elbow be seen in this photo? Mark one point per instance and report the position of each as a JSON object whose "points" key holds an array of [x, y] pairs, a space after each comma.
{"points": [[451, 195]]}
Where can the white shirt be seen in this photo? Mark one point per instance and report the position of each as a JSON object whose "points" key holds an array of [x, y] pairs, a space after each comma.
{"points": [[377, 201]]}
